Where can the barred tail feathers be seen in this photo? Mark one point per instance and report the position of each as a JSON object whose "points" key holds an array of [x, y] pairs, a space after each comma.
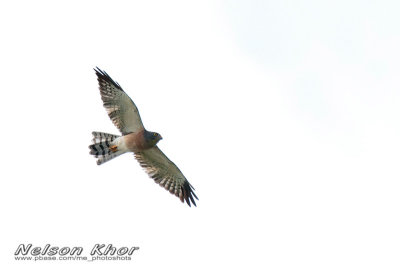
{"points": [[101, 147]]}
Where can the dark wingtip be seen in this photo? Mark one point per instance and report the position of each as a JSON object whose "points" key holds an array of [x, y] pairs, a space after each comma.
{"points": [[102, 75], [188, 193]]}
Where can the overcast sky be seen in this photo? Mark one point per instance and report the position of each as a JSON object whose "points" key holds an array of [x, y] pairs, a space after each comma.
{"points": [[282, 114]]}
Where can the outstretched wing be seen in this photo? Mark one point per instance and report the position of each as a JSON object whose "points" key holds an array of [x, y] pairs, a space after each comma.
{"points": [[120, 108], [165, 173]]}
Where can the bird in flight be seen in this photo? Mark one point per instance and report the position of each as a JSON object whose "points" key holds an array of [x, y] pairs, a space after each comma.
{"points": [[135, 138]]}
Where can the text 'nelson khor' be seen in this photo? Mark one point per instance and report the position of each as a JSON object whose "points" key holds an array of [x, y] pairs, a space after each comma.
{"points": [[98, 249]]}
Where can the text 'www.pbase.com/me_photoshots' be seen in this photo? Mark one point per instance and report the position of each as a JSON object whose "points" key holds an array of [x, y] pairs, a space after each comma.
{"points": [[99, 252]]}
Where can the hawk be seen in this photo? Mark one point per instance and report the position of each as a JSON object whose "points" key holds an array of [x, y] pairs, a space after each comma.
{"points": [[135, 138]]}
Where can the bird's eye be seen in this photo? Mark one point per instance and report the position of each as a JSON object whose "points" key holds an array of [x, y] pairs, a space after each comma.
{"points": [[154, 134]]}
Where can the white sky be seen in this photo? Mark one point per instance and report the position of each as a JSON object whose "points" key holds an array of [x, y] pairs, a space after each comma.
{"points": [[282, 114]]}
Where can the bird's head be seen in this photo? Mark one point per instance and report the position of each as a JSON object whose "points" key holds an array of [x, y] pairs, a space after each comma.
{"points": [[152, 138]]}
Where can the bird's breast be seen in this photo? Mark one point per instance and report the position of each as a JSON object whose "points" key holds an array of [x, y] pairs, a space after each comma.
{"points": [[136, 141]]}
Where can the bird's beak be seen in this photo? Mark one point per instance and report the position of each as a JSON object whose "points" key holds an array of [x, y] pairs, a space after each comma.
{"points": [[160, 137]]}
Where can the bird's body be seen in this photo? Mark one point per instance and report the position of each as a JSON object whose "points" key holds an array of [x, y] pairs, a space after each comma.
{"points": [[135, 138], [135, 142]]}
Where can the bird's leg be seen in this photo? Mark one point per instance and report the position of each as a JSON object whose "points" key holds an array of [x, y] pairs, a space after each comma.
{"points": [[113, 148]]}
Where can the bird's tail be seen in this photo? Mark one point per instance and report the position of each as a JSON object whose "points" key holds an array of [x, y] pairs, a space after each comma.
{"points": [[103, 148]]}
